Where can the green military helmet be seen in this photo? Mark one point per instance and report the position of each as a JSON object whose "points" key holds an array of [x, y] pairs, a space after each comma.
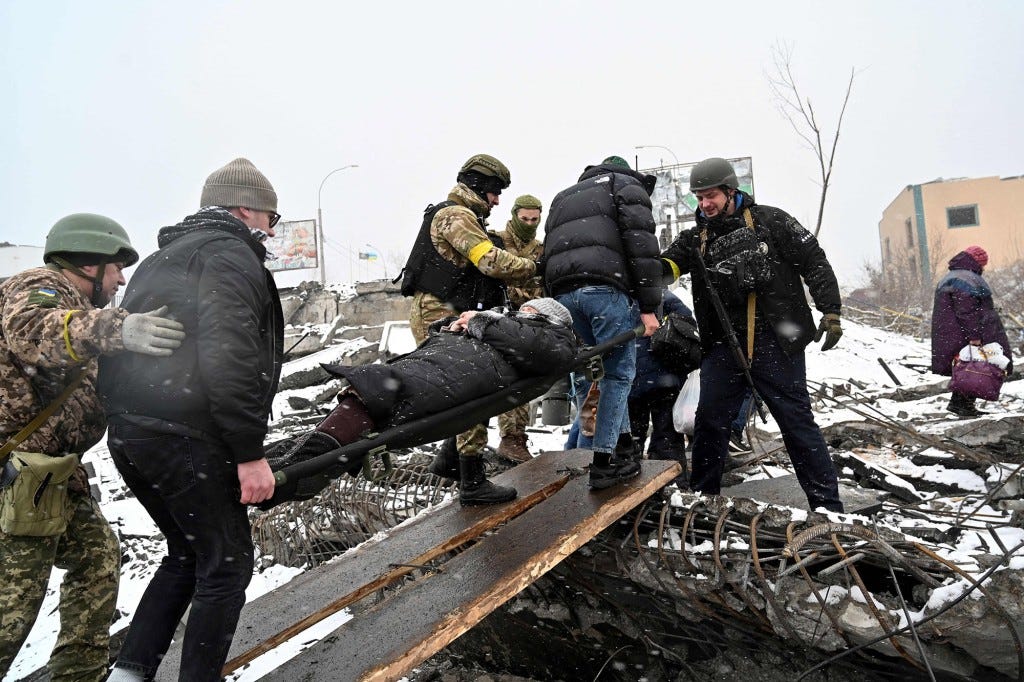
{"points": [[713, 172], [486, 164], [90, 233]]}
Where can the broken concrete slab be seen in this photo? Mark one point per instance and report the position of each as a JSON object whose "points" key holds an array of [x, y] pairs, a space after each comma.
{"points": [[785, 491]]}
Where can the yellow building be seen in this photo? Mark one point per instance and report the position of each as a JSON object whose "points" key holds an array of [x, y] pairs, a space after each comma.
{"points": [[927, 224]]}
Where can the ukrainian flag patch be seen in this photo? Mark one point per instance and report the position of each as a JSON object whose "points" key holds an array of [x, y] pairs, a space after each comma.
{"points": [[44, 298]]}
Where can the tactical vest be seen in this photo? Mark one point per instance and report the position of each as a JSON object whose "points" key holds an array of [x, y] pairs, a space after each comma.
{"points": [[463, 288]]}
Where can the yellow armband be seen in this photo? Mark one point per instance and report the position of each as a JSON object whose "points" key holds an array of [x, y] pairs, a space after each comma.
{"points": [[479, 251], [674, 267], [67, 335]]}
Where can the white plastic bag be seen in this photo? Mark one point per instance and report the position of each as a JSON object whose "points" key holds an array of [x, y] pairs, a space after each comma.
{"points": [[991, 353], [684, 411]]}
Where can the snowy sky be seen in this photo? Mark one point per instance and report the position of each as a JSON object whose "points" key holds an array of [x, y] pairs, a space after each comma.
{"points": [[123, 108]]}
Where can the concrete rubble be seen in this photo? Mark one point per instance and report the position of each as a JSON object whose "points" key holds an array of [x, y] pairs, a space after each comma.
{"points": [[930, 583]]}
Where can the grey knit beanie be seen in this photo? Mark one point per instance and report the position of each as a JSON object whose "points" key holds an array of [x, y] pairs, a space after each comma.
{"points": [[239, 184], [551, 308]]}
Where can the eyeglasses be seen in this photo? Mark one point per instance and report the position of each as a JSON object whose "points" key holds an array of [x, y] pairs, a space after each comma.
{"points": [[274, 218]]}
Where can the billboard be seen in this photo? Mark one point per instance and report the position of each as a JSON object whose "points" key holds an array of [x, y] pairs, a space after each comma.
{"points": [[674, 206], [293, 246]]}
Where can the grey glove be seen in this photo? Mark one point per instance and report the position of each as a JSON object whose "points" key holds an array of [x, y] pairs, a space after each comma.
{"points": [[151, 333]]}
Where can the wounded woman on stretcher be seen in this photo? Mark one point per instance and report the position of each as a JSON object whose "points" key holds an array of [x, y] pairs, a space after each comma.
{"points": [[466, 357]]}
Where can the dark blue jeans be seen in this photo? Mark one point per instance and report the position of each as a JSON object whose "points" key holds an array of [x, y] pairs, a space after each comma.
{"points": [[781, 380], [190, 488]]}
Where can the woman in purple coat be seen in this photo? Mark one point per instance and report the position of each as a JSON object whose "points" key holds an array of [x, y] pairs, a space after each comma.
{"points": [[964, 314]]}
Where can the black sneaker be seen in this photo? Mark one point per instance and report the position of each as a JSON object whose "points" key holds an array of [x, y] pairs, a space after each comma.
{"points": [[737, 446], [616, 471]]}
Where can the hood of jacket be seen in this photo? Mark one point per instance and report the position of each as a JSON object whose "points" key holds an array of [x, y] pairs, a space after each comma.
{"points": [[964, 261], [648, 181]]}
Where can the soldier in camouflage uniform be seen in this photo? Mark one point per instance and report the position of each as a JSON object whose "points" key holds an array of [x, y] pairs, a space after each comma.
{"points": [[50, 323], [519, 238], [455, 265]]}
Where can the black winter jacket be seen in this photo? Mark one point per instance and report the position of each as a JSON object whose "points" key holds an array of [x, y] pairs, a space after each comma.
{"points": [[219, 384], [450, 369], [601, 231], [793, 252]]}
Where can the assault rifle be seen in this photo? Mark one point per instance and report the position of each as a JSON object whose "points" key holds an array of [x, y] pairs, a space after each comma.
{"points": [[730, 335]]}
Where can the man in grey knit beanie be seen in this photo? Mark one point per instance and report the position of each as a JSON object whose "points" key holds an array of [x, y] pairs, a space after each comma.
{"points": [[239, 184], [187, 434]]}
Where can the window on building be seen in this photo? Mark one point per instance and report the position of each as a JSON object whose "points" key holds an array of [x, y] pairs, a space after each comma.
{"points": [[962, 216], [888, 250], [910, 231], [912, 267]]}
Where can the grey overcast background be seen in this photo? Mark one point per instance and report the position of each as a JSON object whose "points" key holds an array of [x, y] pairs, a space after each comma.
{"points": [[123, 108]]}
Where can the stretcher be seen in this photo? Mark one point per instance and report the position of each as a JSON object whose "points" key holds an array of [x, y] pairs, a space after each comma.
{"points": [[296, 480]]}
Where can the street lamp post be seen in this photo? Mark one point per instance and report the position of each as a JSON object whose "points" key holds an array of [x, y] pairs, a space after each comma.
{"points": [[658, 146], [380, 254], [321, 256]]}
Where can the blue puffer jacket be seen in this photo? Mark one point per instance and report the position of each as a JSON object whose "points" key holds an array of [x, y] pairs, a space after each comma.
{"points": [[650, 373]]}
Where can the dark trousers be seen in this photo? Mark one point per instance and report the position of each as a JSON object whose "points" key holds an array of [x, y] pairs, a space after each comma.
{"points": [[654, 410], [190, 488], [781, 380]]}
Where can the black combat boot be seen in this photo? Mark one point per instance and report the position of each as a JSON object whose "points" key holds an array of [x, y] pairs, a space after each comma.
{"points": [[963, 406], [626, 448], [608, 470], [474, 488], [446, 461]]}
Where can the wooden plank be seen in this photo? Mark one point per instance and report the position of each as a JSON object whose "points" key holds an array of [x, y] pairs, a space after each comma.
{"points": [[388, 640], [320, 592]]}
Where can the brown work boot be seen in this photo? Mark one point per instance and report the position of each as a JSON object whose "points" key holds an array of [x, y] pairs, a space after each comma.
{"points": [[513, 448]]}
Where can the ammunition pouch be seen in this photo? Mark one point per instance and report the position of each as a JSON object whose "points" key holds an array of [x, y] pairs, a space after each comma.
{"points": [[36, 503]]}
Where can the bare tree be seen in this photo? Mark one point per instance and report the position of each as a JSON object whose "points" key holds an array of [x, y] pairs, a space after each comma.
{"points": [[799, 111]]}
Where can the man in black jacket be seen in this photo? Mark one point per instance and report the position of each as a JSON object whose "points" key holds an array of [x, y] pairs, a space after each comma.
{"points": [[186, 432], [601, 262], [756, 256]]}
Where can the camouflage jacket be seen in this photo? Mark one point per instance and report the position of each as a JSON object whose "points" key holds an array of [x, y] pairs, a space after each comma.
{"points": [[456, 234], [45, 324], [534, 287]]}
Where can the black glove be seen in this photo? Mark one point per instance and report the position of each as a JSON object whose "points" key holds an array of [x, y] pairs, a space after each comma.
{"points": [[831, 329]]}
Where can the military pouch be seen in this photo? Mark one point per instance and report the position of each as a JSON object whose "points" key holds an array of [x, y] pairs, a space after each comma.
{"points": [[738, 265], [36, 503]]}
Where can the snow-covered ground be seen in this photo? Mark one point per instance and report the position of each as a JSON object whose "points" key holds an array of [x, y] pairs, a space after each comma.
{"points": [[854, 362]]}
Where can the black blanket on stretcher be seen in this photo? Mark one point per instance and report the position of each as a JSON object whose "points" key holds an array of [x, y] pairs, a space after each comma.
{"points": [[302, 472]]}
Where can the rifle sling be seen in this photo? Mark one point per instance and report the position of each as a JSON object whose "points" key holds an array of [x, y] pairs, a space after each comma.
{"points": [[751, 298], [16, 440]]}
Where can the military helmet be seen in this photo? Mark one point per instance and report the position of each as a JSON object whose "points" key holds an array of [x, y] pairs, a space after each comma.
{"points": [[713, 172], [485, 164], [88, 233]]}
